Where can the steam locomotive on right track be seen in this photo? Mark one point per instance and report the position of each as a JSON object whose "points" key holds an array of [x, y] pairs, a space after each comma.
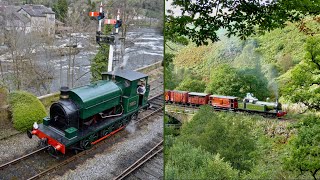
{"points": [[248, 104]]}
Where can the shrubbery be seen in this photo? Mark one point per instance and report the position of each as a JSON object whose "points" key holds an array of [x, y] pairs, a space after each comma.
{"points": [[188, 162], [304, 149], [26, 109], [228, 134]]}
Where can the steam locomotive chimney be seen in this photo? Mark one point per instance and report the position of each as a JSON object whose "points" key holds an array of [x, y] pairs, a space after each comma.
{"points": [[277, 104], [64, 92]]}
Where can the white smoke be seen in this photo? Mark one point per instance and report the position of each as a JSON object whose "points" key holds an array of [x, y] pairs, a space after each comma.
{"points": [[131, 127]]}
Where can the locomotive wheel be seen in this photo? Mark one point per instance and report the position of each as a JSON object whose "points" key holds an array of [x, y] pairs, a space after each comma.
{"points": [[93, 137], [134, 116], [110, 129], [104, 132], [85, 144], [75, 151], [53, 152], [119, 125]]}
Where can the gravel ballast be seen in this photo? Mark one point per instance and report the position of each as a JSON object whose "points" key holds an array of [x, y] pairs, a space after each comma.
{"points": [[107, 164], [16, 146]]}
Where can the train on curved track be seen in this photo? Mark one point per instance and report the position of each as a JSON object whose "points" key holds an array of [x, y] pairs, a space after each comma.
{"points": [[248, 104], [86, 115]]}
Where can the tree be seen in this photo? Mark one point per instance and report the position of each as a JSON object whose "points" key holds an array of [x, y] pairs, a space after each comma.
{"points": [[29, 71], [304, 150], [228, 134], [185, 161], [302, 83], [61, 9], [252, 80], [224, 80], [169, 68], [99, 63], [192, 83], [201, 19]]}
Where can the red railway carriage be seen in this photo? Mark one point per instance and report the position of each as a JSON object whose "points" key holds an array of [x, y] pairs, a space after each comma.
{"points": [[195, 98], [167, 94], [225, 102], [179, 96]]}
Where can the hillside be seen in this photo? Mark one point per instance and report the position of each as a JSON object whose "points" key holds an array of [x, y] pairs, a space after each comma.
{"points": [[269, 65]]}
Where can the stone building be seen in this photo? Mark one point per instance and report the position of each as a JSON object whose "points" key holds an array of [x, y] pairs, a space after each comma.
{"points": [[41, 18]]}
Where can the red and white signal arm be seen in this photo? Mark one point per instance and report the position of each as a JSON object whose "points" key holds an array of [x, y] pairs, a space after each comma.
{"points": [[110, 21], [94, 14]]}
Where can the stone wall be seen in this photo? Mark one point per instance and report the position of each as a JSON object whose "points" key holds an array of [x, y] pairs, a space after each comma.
{"points": [[4, 113]]}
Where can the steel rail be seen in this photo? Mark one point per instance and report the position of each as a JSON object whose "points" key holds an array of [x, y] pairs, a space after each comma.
{"points": [[140, 161], [22, 157]]}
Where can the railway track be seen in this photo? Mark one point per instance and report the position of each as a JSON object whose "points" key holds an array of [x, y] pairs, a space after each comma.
{"points": [[145, 158], [193, 109], [22, 157], [30, 166]]}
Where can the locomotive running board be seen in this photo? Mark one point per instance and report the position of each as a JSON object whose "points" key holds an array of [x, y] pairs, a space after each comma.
{"points": [[104, 137]]}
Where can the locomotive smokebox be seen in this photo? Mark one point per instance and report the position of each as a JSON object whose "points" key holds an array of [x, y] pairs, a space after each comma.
{"points": [[64, 92]]}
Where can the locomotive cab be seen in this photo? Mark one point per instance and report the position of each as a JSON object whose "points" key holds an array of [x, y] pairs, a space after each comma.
{"points": [[134, 86]]}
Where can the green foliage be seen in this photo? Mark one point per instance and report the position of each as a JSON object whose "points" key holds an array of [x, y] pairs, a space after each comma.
{"points": [[228, 134], [304, 150], [199, 24], [99, 63], [252, 80], [283, 47], [187, 162], [192, 83], [169, 82], [172, 77], [26, 109], [61, 9], [226, 80], [301, 84]]}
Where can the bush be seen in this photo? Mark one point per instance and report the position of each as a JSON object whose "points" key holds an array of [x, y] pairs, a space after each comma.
{"points": [[26, 109], [304, 150], [228, 134], [187, 162]]}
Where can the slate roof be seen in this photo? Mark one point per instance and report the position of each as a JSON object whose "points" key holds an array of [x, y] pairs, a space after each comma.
{"points": [[20, 17], [37, 10], [127, 74]]}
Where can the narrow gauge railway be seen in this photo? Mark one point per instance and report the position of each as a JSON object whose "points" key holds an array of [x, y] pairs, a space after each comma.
{"points": [[192, 109], [153, 151], [32, 167], [249, 104]]}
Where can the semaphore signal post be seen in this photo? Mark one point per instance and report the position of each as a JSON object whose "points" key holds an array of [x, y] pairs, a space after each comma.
{"points": [[111, 39]]}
